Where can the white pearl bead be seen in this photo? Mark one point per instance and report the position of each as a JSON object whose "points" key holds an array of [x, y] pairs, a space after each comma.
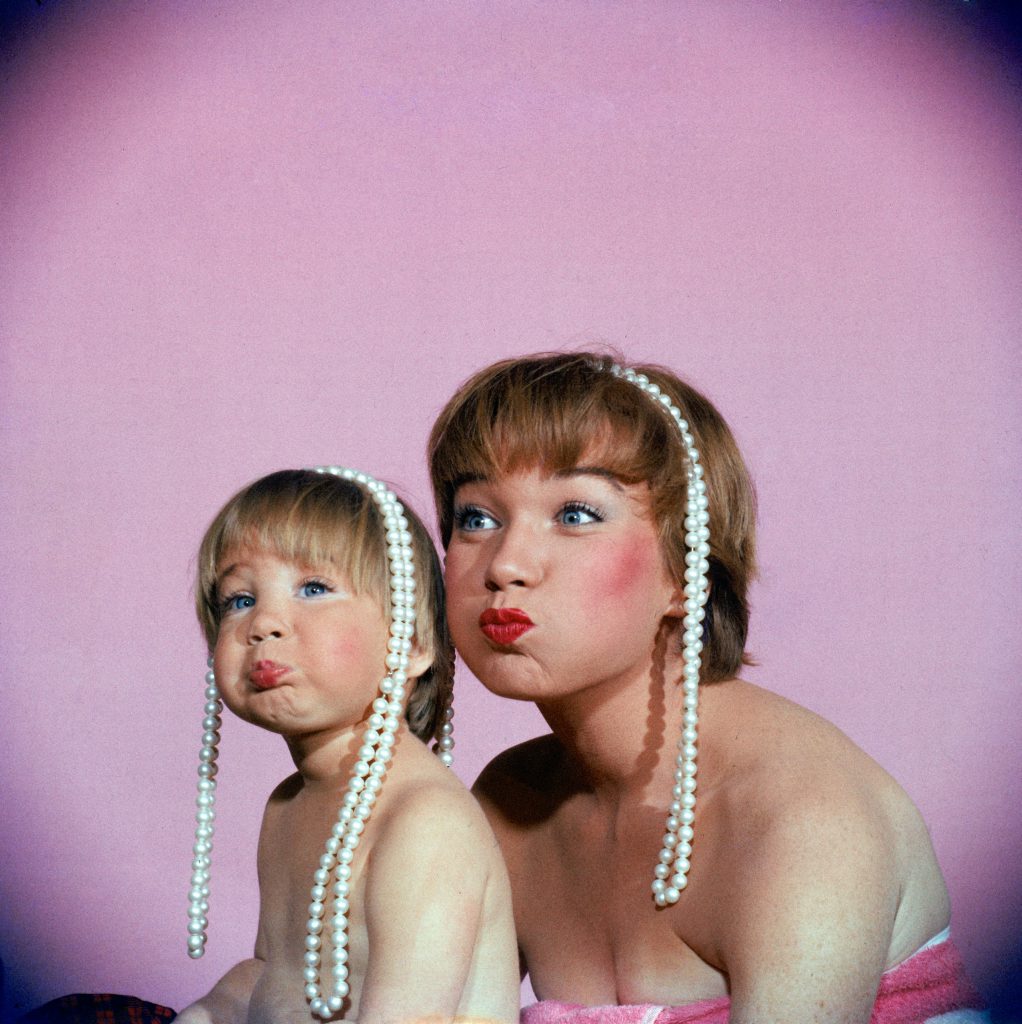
{"points": [[376, 748], [696, 521]]}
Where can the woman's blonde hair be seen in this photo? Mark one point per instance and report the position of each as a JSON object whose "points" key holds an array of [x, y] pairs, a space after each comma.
{"points": [[309, 517], [554, 410]]}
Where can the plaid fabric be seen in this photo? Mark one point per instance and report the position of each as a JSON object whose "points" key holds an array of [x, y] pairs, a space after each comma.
{"points": [[98, 1009]]}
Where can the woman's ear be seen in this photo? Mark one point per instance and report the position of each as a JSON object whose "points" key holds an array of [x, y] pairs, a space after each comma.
{"points": [[676, 607]]}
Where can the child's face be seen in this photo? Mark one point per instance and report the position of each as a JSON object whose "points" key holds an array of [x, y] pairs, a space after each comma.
{"points": [[298, 652]]}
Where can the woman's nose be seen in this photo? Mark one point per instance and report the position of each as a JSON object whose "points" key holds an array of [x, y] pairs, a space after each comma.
{"points": [[515, 561]]}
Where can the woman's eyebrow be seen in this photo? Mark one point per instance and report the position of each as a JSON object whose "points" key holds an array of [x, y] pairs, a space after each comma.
{"points": [[600, 471], [468, 478]]}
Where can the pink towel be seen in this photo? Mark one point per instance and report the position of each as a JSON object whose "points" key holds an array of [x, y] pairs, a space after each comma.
{"points": [[926, 985]]}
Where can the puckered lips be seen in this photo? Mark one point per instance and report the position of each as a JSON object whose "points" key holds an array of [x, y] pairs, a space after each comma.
{"points": [[503, 626], [267, 674]]}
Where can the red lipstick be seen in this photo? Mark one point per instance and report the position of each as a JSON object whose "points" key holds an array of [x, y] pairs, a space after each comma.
{"points": [[266, 674], [504, 626]]}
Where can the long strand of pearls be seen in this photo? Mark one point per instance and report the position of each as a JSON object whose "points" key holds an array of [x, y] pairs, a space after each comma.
{"points": [[445, 744], [364, 786], [198, 895], [374, 757], [671, 871]]}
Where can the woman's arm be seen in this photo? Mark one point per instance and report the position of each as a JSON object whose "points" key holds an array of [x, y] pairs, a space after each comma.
{"points": [[227, 1002], [810, 914]]}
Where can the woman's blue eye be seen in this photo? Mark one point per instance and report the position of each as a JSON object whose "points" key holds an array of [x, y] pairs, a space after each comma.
{"points": [[471, 518], [237, 602], [577, 513], [313, 588]]}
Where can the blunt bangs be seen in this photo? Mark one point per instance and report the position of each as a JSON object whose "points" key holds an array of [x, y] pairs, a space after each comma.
{"points": [[556, 411], [303, 517], [522, 414]]}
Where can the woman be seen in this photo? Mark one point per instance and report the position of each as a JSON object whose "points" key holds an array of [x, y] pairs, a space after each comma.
{"points": [[599, 535]]}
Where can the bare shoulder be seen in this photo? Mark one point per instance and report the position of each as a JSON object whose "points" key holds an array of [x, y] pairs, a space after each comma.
{"points": [[427, 808], [821, 824], [430, 839], [757, 736], [524, 782], [275, 814], [284, 792]]}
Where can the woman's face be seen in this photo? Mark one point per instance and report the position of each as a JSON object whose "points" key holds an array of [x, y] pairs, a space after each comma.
{"points": [[556, 582]]}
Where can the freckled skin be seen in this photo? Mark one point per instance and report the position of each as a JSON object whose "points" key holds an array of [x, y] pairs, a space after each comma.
{"points": [[811, 870], [597, 590], [628, 569]]}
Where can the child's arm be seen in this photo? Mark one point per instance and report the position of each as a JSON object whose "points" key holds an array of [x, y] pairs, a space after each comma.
{"points": [[227, 1002], [438, 914]]}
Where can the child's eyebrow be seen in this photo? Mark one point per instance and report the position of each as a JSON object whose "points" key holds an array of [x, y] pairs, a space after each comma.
{"points": [[222, 574]]}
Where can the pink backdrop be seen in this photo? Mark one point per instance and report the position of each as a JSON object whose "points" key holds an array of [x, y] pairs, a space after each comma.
{"points": [[244, 236]]}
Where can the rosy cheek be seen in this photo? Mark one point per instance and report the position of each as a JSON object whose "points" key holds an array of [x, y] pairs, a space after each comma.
{"points": [[354, 649], [627, 567]]}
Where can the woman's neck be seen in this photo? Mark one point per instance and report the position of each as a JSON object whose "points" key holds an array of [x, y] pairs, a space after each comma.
{"points": [[619, 733]]}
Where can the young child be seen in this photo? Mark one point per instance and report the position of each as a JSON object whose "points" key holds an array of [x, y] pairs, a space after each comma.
{"points": [[313, 585]]}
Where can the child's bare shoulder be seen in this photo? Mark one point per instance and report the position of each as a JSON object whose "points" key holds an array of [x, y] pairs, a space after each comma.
{"points": [[424, 799], [430, 833]]}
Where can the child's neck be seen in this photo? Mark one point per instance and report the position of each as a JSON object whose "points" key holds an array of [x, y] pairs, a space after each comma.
{"points": [[325, 756]]}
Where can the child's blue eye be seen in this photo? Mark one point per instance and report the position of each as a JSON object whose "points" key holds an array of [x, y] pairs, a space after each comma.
{"points": [[237, 602], [314, 588], [470, 519], [578, 513]]}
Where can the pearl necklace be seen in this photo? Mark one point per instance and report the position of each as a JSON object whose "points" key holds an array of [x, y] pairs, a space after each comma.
{"points": [[198, 895], [671, 871], [374, 756]]}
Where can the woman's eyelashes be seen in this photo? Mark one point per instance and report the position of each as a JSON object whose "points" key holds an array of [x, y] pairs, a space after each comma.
{"points": [[470, 518], [579, 513]]}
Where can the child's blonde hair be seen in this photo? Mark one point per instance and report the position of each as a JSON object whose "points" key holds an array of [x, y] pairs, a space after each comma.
{"points": [[309, 517], [552, 410]]}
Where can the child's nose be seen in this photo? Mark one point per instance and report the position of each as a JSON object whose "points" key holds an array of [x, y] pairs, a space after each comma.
{"points": [[266, 623]]}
